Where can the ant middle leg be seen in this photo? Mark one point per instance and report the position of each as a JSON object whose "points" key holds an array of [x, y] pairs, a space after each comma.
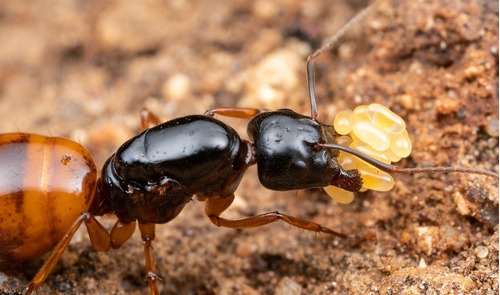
{"points": [[148, 235], [215, 206], [234, 112]]}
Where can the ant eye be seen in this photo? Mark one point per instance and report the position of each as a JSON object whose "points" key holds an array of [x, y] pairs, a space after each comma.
{"points": [[377, 132]]}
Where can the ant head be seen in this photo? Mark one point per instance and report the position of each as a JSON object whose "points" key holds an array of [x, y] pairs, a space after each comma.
{"points": [[288, 157]]}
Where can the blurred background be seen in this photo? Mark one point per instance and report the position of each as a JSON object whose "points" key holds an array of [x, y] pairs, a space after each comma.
{"points": [[84, 69]]}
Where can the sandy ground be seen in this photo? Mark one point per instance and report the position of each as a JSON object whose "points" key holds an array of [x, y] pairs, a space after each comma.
{"points": [[83, 70]]}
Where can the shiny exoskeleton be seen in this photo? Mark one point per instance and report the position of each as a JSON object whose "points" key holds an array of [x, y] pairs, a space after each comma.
{"points": [[49, 186], [153, 175], [288, 157], [41, 195]]}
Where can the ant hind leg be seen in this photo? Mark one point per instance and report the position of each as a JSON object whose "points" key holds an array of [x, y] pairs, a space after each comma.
{"points": [[99, 238], [149, 119]]}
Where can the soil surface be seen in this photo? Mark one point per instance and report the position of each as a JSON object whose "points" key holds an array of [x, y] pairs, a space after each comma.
{"points": [[84, 69]]}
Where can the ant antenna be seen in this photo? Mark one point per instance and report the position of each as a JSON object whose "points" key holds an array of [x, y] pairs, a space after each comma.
{"points": [[328, 44], [391, 169]]}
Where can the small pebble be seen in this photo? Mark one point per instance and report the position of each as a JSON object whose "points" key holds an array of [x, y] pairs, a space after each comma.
{"points": [[265, 10], [494, 50], [461, 203], [176, 87], [63, 286], [481, 252], [422, 263], [407, 101], [472, 72], [288, 287], [3, 278], [245, 249], [426, 238], [492, 127]]}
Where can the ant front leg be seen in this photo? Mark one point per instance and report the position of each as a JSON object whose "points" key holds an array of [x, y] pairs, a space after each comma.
{"points": [[215, 206], [242, 113]]}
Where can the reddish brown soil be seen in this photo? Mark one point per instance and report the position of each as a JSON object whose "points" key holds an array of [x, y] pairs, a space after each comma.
{"points": [[83, 70]]}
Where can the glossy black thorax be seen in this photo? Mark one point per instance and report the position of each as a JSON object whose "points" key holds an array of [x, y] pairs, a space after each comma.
{"points": [[154, 174], [287, 155]]}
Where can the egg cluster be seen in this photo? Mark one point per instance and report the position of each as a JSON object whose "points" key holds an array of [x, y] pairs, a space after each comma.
{"points": [[377, 132]]}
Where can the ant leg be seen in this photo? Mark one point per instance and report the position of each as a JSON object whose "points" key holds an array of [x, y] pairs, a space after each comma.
{"points": [[215, 206], [148, 235], [242, 113], [120, 233], [98, 236], [148, 119]]}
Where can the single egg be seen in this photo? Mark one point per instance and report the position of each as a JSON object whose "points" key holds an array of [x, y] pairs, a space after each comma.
{"points": [[375, 179], [339, 195], [385, 119], [371, 134], [369, 151], [400, 144], [343, 122]]}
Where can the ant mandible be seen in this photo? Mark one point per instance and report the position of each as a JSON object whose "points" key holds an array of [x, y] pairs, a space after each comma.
{"points": [[155, 174]]}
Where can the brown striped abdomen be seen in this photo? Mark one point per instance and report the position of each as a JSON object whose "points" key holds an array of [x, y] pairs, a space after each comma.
{"points": [[45, 184]]}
